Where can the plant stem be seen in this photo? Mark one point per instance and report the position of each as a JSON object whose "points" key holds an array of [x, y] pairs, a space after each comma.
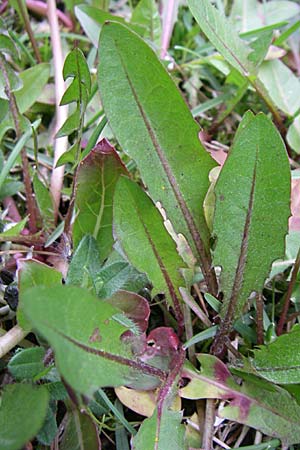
{"points": [[288, 294], [25, 17], [209, 425], [31, 204], [259, 319], [12, 338], [60, 145]]}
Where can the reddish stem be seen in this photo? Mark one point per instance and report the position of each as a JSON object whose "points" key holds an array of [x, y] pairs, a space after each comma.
{"points": [[288, 294], [41, 8]]}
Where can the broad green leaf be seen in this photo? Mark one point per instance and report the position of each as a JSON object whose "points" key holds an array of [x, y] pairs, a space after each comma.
{"points": [[281, 84], [33, 273], [279, 361], [80, 432], [85, 264], [22, 412], [85, 338], [256, 403], [139, 227], [27, 363], [169, 435], [147, 16], [44, 202], [34, 80], [10, 188], [157, 131], [252, 210], [293, 135], [252, 15], [221, 33], [96, 179]]}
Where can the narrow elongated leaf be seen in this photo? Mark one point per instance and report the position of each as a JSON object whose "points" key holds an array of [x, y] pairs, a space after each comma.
{"points": [[252, 210], [85, 338], [279, 361], [155, 128], [44, 202], [256, 403], [282, 85], [147, 244], [22, 412], [96, 180], [252, 15], [221, 33]]}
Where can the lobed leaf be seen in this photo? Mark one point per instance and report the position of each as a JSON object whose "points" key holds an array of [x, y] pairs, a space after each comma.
{"points": [[154, 127], [257, 403]]}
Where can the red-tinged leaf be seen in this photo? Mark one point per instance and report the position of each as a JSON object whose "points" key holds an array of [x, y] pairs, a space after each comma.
{"points": [[256, 403], [86, 337], [95, 185], [134, 306]]}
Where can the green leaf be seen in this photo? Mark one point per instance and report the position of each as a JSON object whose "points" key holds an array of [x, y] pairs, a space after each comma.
{"points": [[23, 410], [147, 244], [33, 273], [168, 436], [252, 15], [44, 202], [147, 16], [250, 222], [293, 135], [118, 275], [96, 179], [8, 46], [80, 433], [27, 363], [76, 67], [85, 338], [85, 264], [281, 84], [221, 33], [157, 131], [34, 80], [257, 403], [14, 230], [91, 19], [71, 124], [279, 361]]}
